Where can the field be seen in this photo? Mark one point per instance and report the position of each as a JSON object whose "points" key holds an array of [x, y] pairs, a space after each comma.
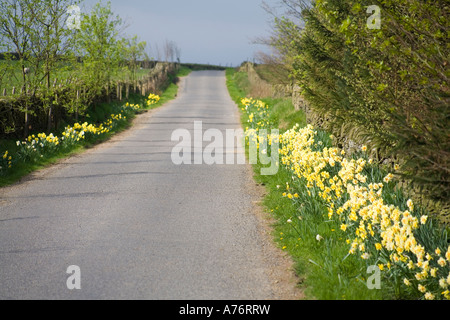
{"points": [[13, 79]]}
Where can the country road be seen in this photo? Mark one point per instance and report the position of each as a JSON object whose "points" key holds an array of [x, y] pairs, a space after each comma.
{"points": [[139, 226]]}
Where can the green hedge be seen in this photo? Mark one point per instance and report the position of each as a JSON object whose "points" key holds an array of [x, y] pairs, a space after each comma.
{"points": [[386, 87]]}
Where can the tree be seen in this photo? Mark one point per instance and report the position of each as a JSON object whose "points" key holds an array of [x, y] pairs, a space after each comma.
{"points": [[386, 87], [17, 20], [178, 54], [171, 51], [53, 45], [35, 31], [42, 42], [134, 52], [99, 45]]}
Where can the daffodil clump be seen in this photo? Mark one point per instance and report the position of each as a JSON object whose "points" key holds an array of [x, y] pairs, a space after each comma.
{"points": [[152, 99], [258, 129], [132, 106], [41, 145], [149, 101], [36, 146], [5, 162], [257, 112], [380, 226]]}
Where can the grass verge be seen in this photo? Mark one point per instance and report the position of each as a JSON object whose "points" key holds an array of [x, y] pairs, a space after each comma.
{"points": [[323, 274]]}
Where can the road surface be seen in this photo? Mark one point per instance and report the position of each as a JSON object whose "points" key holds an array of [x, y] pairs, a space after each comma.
{"points": [[138, 226]]}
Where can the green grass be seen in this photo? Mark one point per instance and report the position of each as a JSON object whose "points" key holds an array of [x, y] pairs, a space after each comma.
{"points": [[238, 84], [282, 112], [324, 274], [23, 169], [185, 70], [171, 91]]}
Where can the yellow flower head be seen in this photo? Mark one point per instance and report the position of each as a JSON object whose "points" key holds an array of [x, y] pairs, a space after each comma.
{"points": [[388, 178], [410, 205], [429, 296], [442, 262], [423, 219]]}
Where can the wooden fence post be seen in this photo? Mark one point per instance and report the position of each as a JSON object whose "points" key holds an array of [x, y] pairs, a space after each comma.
{"points": [[108, 97], [76, 105]]}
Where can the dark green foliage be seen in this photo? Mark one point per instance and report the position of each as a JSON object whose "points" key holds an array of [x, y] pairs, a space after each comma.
{"points": [[199, 67], [387, 88]]}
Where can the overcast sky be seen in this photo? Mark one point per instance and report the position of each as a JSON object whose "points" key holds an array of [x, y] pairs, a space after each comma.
{"points": [[217, 32]]}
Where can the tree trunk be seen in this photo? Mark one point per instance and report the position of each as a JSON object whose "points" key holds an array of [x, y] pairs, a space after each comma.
{"points": [[49, 120], [26, 124]]}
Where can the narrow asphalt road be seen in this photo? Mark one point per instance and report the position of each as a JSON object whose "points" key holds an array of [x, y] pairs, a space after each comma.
{"points": [[137, 225]]}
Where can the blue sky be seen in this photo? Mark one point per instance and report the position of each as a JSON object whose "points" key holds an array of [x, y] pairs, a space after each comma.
{"points": [[206, 31]]}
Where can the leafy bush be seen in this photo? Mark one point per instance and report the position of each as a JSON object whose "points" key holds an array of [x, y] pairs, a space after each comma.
{"points": [[387, 88]]}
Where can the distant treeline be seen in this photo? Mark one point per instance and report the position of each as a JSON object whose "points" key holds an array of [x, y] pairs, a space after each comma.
{"points": [[198, 67]]}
